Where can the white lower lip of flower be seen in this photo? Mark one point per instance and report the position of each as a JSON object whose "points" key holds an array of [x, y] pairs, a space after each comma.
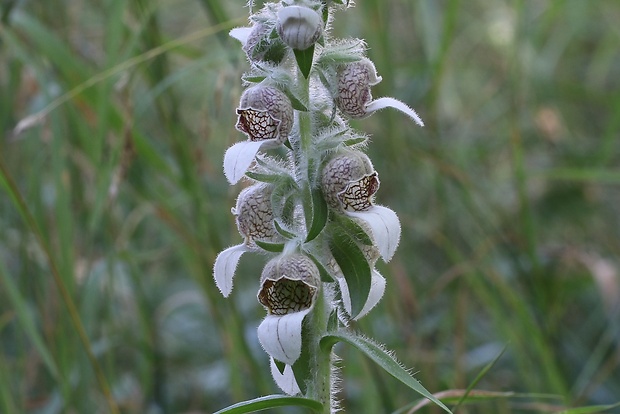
{"points": [[385, 228], [280, 336], [377, 289], [285, 380], [241, 34], [388, 102], [240, 156], [225, 266]]}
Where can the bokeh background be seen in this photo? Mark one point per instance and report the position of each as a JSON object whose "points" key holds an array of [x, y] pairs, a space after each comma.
{"points": [[115, 115]]}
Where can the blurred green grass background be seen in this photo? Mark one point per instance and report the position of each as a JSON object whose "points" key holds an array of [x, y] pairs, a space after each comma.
{"points": [[113, 205]]}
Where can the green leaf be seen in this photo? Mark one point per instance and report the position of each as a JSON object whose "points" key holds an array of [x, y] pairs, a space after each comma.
{"points": [[325, 276], [296, 103], [270, 401], [480, 375], [319, 214], [270, 247], [264, 178], [355, 141], [589, 410], [254, 79], [282, 231], [353, 229], [381, 358], [302, 368], [355, 268], [27, 320], [304, 60]]}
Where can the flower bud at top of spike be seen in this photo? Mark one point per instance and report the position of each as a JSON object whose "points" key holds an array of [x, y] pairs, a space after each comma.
{"points": [[263, 45], [289, 284], [354, 82], [254, 215], [299, 27], [264, 113], [349, 181]]}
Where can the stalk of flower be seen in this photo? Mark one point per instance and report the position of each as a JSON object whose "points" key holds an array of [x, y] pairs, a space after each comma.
{"points": [[311, 203]]}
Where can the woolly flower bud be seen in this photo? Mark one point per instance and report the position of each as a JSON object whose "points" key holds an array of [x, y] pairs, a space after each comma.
{"points": [[349, 182], [289, 284], [299, 27], [354, 82], [254, 215], [260, 46], [265, 113]]}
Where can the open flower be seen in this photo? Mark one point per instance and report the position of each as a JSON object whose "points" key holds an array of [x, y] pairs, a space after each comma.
{"points": [[266, 117], [254, 217], [349, 183], [354, 97], [265, 113], [289, 286]]}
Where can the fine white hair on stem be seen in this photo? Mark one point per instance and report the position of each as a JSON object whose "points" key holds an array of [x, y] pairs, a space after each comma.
{"points": [[336, 383]]}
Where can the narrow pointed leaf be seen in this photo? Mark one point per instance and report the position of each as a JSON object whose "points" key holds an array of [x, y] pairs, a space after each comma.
{"points": [[27, 320], [283, 232], [590, 409], [319, 214], [296, 103], [302, 368], [381, 358], [264, 178], [352, 229], [480, 375], [225, 266], [269, 402], [325, 276], [270, 247], [355, 268], [304, 60], [254, 79]]}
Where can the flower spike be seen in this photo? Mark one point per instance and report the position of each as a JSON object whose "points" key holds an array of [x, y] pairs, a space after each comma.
{"points": [[309, 203]]}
